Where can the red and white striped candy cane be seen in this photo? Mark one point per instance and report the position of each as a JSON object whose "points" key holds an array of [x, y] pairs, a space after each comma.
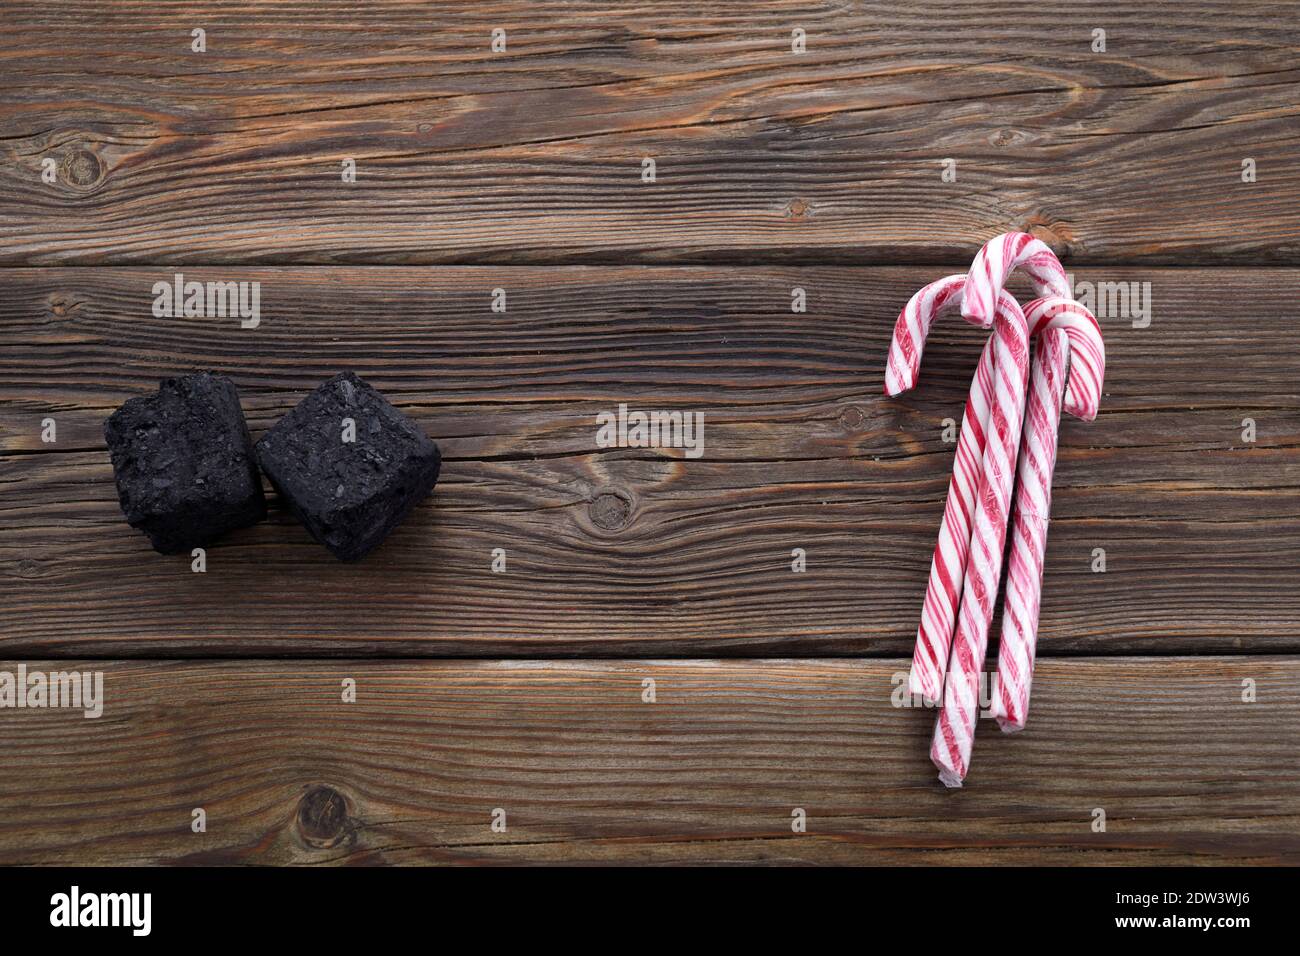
{"points": [[955, 728], [997, 259], [1068, 334], [948, 565]]}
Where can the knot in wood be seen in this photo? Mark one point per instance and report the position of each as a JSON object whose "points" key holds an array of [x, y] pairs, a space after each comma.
{"points": [[610, 510], [81, 168], [61, 304], [322, 816], [1007, 137]]}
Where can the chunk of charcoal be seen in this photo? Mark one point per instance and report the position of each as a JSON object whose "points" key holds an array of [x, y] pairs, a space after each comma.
{"points": [[184, 463], [350, 485]]}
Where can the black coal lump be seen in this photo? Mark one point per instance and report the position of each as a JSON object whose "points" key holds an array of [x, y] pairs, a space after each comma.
{"points": [[184, 462], [349, 465]]}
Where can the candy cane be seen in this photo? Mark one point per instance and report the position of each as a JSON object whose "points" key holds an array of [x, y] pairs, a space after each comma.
{"points": [[955, 728], [1068, 333], [947, 566], [997, 259]]}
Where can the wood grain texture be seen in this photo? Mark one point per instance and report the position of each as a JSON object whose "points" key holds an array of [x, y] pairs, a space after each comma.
{"points": [[774, 170], [709, 773], [534, 154], [642, 551]]}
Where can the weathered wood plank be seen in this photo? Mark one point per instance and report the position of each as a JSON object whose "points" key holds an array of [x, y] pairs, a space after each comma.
{"points": [[535, 154], [586, 772], [644, 551]]}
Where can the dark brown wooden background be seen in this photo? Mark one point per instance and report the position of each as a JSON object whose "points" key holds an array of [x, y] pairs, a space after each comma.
{"points": [[521, 170]]}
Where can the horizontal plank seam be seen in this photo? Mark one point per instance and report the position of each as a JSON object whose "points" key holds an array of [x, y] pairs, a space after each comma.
{"points": [[607, 659], [827, 258]]}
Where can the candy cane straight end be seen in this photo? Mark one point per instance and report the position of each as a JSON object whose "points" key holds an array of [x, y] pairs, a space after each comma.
{"points": [[949, 779], [1010, 725], [950, 776]]}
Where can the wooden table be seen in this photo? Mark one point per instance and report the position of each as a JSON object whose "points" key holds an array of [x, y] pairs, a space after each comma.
{"points": [[1168, 693]]}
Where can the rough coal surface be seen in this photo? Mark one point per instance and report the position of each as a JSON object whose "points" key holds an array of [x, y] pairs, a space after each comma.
{"points": [[349, 495], [184, 464]]}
